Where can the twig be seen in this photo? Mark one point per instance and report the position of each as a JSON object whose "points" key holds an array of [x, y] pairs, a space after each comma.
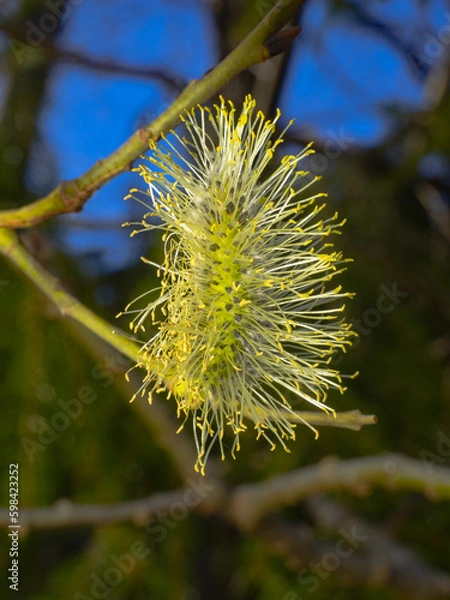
{"points": [[70, 196], [389, 33], [251, 502], [351, 419], [334, 516], [361, 554], [348, 561], [174, 82], [65, 513], [11, 247], [396, 564], [247, 504]]}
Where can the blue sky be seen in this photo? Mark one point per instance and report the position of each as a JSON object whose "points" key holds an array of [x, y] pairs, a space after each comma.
{"points": [[343, 78]]}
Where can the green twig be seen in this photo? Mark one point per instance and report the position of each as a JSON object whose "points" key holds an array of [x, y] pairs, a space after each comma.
{"points": [[352, 419], [69, 306]]}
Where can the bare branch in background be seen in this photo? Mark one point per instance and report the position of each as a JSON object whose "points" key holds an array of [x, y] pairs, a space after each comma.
{"points": [[361, 554], [251, 502], [53, 52], [352, 560]]}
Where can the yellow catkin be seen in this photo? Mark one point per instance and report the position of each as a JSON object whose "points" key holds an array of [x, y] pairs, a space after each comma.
{"points": [[246, 319]]}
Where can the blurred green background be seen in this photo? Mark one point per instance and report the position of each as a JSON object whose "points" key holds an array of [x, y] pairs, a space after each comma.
{"points": [[368, 81]]}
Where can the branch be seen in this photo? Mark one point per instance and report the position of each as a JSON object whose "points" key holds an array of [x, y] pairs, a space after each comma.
{"points": [[397, 565], [70, 196], [352, 419], [390, 35], [67, 305], [362, 558], [174, 82], [65, 513], [251, 502], [349, 562], [55, 53], [97, 64], [247, 504]]}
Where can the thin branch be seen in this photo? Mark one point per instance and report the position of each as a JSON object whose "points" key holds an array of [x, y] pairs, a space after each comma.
{"points": [[174, 82], [361, 554], [247, 504], [70, 196], [435, 206], [353, 559], [69, 306], [333, 516], [280, 78], [251, 502], [349, 562], [65, 513], [352, 419], [390, 35]]}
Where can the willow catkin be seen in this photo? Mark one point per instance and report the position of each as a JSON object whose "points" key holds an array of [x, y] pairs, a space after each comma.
{"points": [[248, 315]]}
